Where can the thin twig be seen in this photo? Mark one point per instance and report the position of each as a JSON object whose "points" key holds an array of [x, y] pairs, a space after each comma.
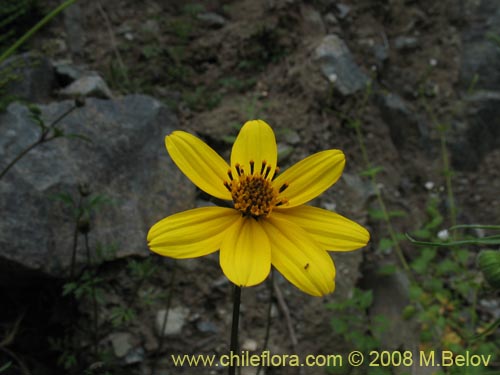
{"points": [[165, 319], [114, 44], [268, 323], [234, 326], [286, 313], [288, 318]]}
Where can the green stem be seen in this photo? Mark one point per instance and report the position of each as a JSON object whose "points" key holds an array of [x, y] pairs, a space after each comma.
{"points": [[381, 202], [449, 186], [34, 29], [94, 298], [234, 327], [75, 238], [43, 139], [21, 155]]}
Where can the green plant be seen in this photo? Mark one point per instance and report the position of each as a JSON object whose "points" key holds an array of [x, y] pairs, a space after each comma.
{"points": [[182, 28], [351, 321], [201, 98], [9, 51], [5, 367], [193, 9], [14, 15], [47, 132], [448, 290], [122, 315], [240, 85]]}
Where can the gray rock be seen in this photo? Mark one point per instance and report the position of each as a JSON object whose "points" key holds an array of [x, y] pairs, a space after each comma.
{"points": [[211, 19], [403, 122], [338, 66], [471, 141], [390, 298], [480, 50], [122, 343], [479, 134], [381, 53], [136, 355], [125, 162], [176, 319], [284, 152], [206, 326], [87, 86], [405, 43], [151, 26], [29, 77], [359, 189], [343, 10], [331, 20], [291, 136], [312, 23], [67, 73]]}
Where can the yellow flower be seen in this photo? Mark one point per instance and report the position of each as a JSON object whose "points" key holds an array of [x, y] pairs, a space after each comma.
{"points": [[269, 223]]}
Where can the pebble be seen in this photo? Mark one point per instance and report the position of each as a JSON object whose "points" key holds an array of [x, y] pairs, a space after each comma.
{"points": [[176, 319]]}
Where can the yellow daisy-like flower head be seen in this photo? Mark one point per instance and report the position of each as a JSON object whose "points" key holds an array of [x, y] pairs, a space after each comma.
{"points": [[269, 223]]}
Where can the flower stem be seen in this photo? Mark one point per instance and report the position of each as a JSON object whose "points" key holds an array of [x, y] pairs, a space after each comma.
{"points": [[234, 326], [94, 298]]}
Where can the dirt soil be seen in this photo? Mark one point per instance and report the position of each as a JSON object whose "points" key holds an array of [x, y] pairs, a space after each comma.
{"points": [[257, 63]]}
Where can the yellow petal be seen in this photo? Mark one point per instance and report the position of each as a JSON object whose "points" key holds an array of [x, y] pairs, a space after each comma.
{"points": [[310, 177], [191, 233], [199, 162], [245, 253], [329, 229], [298, 258], [255, 142]]}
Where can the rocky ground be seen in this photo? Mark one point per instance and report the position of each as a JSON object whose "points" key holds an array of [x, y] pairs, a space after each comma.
{"points": [[149, 67]]}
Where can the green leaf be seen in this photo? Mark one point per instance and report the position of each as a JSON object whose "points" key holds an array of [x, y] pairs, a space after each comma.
{"points": [[489, 263], [385, 244], [422, 233], [339, 325], [415, 292], [78, 136], [371, 172], [64, 197], [463, 255], [387, 269], [447, 266], [409, 311], [421, 264], [364, 298], [475, 226], [69, 288], [396, 213], [121, 315], [376, 214], [229, 139], [58, 132], [491, 240], [5, 366]]}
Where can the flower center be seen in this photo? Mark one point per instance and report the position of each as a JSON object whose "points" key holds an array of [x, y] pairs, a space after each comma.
{"points": [[253, 194]]}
